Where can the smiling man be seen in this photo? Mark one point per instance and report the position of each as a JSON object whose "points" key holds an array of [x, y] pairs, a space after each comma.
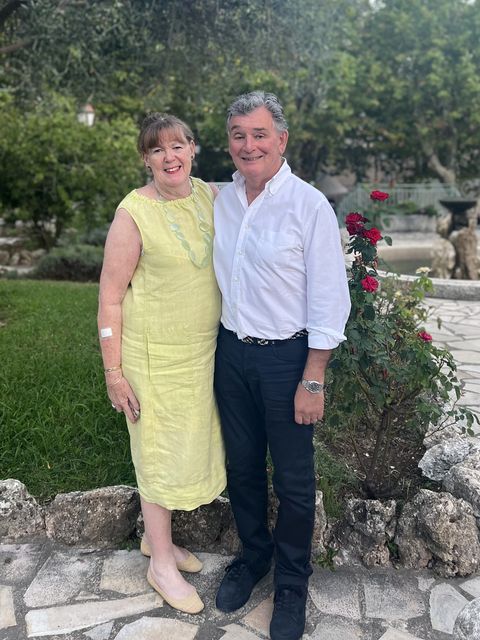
{"points": [[280, 268]]}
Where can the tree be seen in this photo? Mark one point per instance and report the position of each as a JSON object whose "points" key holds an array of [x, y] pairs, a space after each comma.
{"points": [[417, 93], [56, 171]]}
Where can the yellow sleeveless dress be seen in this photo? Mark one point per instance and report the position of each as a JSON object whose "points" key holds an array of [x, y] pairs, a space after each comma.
{"points": [[170, 320]]}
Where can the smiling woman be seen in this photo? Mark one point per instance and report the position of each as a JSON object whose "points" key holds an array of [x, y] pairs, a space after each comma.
{"points": [[158, 321]]}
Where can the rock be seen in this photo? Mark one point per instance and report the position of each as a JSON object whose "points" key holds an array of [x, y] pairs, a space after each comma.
{"points": [[101, 517], [15, 259], [209, 528], [441, 457], [20, 514], [465, 243], [444, 225], [463, 481], [443, 258], [4, 256], [436, 435], [369, 525], [439, 531], [38, 253], [26, 258], [319, 527], [467, 624]]}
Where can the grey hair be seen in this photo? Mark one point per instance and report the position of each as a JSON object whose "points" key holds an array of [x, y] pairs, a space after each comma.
{"points": [[248, 102]]}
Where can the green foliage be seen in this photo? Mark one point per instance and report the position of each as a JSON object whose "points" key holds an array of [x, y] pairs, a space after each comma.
{"points": [[79, 262], [388, 381], [56, 172], [326, 559], [59, 432], [418, 87], [395, 83]]}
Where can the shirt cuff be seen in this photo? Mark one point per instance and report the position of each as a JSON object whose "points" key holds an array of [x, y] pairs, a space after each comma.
{"points": [[324, 339]]}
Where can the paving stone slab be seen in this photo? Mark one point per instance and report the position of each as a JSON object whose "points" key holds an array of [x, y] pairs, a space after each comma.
{"points": [[336, 593], [100, 633], [213, 563], [396, 634], [18, 562], [259, 618], [236, 632], [7, 609], [158, 629], [467, 357], [337, 629], [472, 586], [125, 572], [67, 618], [393, 597], [445, 605], [61, 578]]}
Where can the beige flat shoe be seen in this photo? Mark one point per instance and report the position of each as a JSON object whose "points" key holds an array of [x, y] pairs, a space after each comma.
{"points": [[191, 564], [191, 604]]}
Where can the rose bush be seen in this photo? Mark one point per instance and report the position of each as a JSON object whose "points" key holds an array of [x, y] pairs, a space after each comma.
{"points": [[388, 381]]}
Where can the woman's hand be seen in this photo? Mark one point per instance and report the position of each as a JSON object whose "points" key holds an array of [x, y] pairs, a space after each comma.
{"points": [[122, 397]]}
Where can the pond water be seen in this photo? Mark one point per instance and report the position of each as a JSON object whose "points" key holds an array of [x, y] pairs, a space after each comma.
{"points": [[407, 266]]}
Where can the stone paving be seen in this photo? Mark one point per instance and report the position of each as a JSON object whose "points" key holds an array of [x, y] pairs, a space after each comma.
{"points": [[62, 593], [54, 592], [460, 333]]}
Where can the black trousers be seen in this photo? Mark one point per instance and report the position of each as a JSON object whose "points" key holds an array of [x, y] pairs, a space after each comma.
{"points": [[255, 387]]}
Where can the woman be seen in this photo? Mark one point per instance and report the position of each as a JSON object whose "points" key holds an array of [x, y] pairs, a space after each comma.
{"points": [[158, 318]]}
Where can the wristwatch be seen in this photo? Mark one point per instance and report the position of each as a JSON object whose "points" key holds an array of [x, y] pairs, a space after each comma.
{"points": [[312, 386]]}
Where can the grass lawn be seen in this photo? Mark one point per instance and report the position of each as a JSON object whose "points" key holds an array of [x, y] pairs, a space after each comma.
{"points": [[58, 430]]}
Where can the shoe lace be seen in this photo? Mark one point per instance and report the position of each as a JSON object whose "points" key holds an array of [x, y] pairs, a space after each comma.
{"points": [[287, 598], [236, 569]]}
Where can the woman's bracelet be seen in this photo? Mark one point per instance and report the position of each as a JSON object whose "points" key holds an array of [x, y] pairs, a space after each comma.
{"points": [[113, 369], [112, 384]]}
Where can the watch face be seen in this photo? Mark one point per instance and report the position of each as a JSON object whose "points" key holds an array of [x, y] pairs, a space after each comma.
{"points": [[312, 385]]}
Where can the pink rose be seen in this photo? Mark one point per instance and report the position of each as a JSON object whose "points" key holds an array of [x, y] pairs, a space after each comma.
{"points": [[373, 235], [379, 195], [426, 337], [370, 284]]}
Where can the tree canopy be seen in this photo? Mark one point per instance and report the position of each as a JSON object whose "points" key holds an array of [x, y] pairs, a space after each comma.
{"points": [[395, 82]]}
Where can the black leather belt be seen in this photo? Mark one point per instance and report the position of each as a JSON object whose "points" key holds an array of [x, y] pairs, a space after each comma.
{"points": [[264, 341]]}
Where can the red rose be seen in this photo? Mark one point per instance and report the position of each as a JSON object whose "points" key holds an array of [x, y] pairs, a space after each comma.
{"points": [[369, 284], [373, 235], [354, 223], [355, 217], [379, 195], [426, 337]]}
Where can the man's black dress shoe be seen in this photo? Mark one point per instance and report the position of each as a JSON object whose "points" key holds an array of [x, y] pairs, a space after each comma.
{"points": [[237, 584], [288, 619]]}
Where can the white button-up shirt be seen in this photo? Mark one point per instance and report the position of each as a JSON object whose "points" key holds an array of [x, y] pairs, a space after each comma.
{"points": [[279, 262]]}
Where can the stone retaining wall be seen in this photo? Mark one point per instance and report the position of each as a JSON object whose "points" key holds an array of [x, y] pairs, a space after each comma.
{"points": [[438, 530]]}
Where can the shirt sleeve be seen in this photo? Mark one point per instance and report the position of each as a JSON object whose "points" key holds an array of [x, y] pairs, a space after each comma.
{"points": [[328, 298]]}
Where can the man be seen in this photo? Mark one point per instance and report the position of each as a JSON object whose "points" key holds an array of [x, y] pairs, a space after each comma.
{"points": [[280, 268]]}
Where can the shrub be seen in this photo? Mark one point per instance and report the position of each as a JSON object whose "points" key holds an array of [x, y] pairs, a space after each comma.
{"points": [[388, 382], [80, 263], [57, 172]]}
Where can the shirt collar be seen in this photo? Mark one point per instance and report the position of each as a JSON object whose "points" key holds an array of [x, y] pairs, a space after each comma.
{"points": [[274, 184]]}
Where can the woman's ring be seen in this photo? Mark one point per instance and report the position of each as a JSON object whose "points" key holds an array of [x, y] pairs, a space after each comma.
{"points": [[113, 406]]}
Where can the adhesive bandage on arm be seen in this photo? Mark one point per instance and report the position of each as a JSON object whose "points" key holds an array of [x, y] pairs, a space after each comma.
{"points": [[106, 332]]}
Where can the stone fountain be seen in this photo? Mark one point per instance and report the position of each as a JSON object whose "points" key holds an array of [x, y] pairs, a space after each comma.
{"points": [[454, 253]]}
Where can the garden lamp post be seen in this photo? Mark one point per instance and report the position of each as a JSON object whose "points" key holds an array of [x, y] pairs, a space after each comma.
{"points": [[86, 115]]}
